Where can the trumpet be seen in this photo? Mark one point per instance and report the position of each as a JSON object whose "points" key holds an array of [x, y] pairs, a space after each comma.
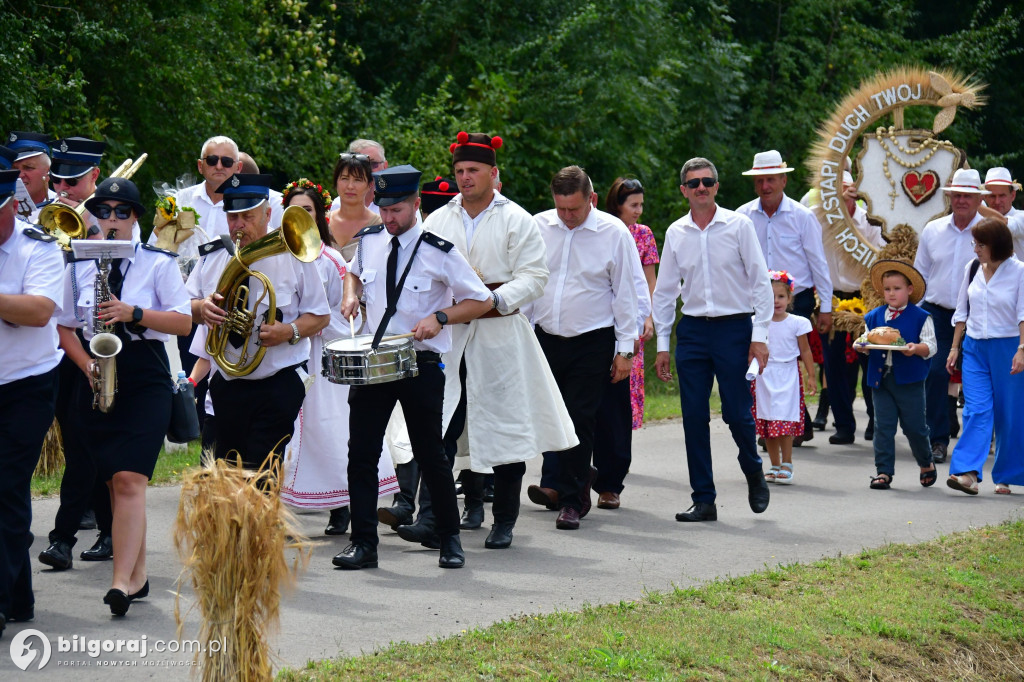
{"points": [[66, 223], [298, 236]]}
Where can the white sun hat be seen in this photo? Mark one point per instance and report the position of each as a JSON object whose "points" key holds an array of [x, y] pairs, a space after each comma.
{"points": [[768, 163], [966, 181]]}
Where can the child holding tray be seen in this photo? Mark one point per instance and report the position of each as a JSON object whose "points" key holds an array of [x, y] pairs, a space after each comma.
{"points": [[897, 376]]}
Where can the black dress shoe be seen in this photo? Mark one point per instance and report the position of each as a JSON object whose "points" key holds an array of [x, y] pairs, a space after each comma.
{"points": [[452, 555], [869, 432], [839, 438], [420, 532], [19, 616], [939, 452], [500, 536], [101, 551], [757, 492], [472, 518], [142, 592], [118, 601], [700, 511], [338, 523], [57, 555], [394, 517], [355, 557], [88, 521]]}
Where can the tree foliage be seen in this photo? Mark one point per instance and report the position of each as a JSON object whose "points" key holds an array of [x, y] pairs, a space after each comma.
{"points": [[626, 87]]}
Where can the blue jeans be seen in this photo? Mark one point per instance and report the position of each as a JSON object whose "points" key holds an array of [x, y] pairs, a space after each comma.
{"points": [[905, 403], [709, 350]]}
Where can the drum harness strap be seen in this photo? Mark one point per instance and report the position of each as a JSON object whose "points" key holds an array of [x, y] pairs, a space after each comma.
{"points": [[393, 305]]}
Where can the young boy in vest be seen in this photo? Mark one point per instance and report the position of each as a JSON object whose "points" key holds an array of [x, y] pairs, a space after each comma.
{"points": [[897, 377]]}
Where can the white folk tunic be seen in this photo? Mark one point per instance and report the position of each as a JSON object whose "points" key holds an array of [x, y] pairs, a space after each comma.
{"points": [[514, 409], [316, 458], [778, 387]]}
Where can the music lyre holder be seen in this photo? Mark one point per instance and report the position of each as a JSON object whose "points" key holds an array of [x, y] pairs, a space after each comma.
{"points": [[102, 249]]}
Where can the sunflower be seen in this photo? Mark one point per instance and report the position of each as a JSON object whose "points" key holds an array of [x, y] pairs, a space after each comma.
{"points": [[853, 305], [167, 208]]}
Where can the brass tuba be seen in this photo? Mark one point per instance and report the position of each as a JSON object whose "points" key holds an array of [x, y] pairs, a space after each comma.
{"points": [[298, 236], [66, 223]]}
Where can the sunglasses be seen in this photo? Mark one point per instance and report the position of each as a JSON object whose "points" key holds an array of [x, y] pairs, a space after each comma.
{"points": [[122, 211], [225, 161], [694, 183], [632, 184], [70, 182], [349, 156]]}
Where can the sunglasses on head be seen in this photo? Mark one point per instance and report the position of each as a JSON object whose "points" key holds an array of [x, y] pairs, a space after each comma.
{"points": [[349, 156], [631, 185], [122, 211], [694, 183], [225, 161]]}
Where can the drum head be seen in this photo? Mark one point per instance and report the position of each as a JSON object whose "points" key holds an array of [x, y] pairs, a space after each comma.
{"points": [[360, 343]]}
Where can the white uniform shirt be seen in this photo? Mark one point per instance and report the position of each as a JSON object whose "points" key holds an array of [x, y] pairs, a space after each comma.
{"points": [[297, 289], [942, 253], [151, 281], [593, 282], [1015, 221], [717, 271], [33, 267], [791, 240], [992, 309], [435, 278]]}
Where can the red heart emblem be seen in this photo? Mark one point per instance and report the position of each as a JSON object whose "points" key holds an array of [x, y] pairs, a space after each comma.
{"points": [[919, 187]]}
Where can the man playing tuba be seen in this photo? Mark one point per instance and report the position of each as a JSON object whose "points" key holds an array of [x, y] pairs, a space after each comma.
{"points": [[259, 371]]}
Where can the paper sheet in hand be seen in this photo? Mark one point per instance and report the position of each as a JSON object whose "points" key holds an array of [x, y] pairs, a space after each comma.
{"points": [[95, 249], [753, 370]]}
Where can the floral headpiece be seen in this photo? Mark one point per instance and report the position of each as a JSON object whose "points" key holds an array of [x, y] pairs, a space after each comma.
{"points": [[782, 276], [304, 183]]}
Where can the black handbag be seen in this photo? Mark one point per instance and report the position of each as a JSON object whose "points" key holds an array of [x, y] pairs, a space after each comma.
{"points": [[184, 425]]}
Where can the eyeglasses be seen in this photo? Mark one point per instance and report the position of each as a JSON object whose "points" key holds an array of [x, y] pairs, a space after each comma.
{"points": [[225, 161], [70, 182], [694, 183], [631, 185], [122, 211], [975, 244]]}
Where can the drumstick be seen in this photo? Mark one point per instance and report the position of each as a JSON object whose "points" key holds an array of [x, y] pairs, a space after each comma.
{"points": [[352, 325], [392, 338]]}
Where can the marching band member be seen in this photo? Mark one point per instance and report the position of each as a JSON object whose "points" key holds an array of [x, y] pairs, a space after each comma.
{"points": [[419, 300], [148, 303], [75, 170], [256, 412], [31, 296], [34, 163]]}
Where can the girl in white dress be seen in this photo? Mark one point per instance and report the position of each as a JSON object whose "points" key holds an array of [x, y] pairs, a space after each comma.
{"points": [[779, 391]]}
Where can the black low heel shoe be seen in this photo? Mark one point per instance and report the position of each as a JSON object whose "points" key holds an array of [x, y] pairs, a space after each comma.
{"points": [[118, 602], [141, 594]]}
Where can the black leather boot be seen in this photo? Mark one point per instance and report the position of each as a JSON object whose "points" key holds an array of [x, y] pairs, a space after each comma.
{"points": [[820, 420], [424, 531], [102, 550], [954, 421], [400, 513], [505, 510], [338, 523], [473, 494], [451, 555]]}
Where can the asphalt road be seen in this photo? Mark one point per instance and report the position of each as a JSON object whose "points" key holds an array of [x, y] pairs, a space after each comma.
{"points": [[616, 555]]}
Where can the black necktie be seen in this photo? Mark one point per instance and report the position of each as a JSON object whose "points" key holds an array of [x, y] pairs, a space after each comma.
{"points": [[392, 271], [115, 278]]}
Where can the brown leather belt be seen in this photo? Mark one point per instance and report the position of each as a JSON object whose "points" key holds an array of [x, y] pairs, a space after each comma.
{"points": [[493, 312]]}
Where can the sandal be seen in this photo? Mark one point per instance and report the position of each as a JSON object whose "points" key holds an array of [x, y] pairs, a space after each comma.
{"points": [[1002, 489], [965, 483], [770, 476], [785, 474], [881, 482], [929, 477]]}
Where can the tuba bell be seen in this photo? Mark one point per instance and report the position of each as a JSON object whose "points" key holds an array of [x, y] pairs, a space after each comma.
{"points": [[298, 236], [66, 223]]}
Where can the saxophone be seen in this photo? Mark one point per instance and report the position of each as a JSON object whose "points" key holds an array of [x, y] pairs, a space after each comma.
{"points": [[104, 345]]}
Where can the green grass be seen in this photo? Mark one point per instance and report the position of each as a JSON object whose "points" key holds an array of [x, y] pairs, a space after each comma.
{"points": [[952, 608], [169, 469]]}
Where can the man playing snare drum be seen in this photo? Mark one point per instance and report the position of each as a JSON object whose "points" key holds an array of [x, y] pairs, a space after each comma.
{"points": [[408, 278]]}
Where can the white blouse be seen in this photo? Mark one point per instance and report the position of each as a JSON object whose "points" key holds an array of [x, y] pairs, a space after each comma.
{"points": [[992, 309]]}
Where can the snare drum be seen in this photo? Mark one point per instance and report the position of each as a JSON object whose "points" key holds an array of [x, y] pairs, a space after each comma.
{"points": [[351, 361]]}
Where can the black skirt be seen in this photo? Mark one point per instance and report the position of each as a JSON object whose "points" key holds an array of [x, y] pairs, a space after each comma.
{"points": [[129, 437]]}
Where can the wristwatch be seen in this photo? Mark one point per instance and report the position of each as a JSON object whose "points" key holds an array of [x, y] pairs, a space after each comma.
{"points": [[442, 319], [295, 335], [627, 355], [136, 314]]}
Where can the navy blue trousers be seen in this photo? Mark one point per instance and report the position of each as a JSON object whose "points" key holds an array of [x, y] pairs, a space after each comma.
{"points": [[936, 386], [708, 350]]}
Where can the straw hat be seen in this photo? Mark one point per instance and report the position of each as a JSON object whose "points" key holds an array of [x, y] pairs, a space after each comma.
{"points": [[768, 163], [966, 181], [1000, 176], [906, 269]]}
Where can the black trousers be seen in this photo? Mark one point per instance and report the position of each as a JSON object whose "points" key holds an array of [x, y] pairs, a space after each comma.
{"points": [[581, 366], [26, 412], [613, 437], [188, 361], [256, 417], [370, 407], [80, 486]]}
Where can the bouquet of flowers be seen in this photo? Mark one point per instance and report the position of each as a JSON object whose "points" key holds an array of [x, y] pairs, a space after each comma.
{"points": [[173, 224], [848, 316]]}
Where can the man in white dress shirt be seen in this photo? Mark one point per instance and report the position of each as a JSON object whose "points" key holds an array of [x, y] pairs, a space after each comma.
{"points": [[31, 279], [586, 322], [256, 412], [409, 278], [790, 239], [1002, 191], [944, 250], [712, 261]]}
